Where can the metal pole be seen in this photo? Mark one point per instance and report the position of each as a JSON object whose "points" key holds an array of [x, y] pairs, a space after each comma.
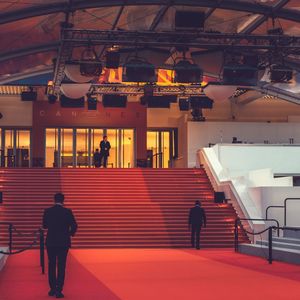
{"points": [[42, 251], [10, 227], [270, 258], [236, 236]]}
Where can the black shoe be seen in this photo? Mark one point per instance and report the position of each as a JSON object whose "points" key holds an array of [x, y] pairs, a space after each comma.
{"points": [[51, 293], [59, 295], [198, 248]]}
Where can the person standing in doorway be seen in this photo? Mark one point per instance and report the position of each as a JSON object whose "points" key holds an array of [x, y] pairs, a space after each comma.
{"points": [[61, 225], [104, 151], [97, 160], [197, 219]]}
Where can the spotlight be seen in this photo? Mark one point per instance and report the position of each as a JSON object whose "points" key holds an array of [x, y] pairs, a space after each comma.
{"points": [[89, 64], [187, 72], [138, 70], [197, 115], [238, 74], [112, 59], [52, 99], [92, 102]]}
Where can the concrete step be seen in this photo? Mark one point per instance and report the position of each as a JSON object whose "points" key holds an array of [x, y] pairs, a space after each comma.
{"points": [[280, 254]]}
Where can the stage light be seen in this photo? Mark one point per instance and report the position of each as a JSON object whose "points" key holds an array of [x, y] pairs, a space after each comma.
{"points": [[139, 70], [187, 72], [280, 73], [89, 64], [30, 95], [112, 58], [197, 115], [238, 74], [92, 102], [52, 99]]}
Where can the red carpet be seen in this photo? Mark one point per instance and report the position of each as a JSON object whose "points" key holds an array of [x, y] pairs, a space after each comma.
{"points": [[117, 208], [154, 274]]}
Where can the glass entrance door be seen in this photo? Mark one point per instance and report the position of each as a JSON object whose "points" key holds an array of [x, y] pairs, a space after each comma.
{"points": [[161, 147], [15, 148]]}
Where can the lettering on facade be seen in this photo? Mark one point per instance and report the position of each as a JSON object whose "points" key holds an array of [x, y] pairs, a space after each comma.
{"points": [[42, 113], [58, 114], [74, 114]]}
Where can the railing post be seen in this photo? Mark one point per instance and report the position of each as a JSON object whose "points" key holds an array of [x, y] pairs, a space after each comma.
{"points": [[236, 236], [10, 245], [42, 250], [270, 258]]}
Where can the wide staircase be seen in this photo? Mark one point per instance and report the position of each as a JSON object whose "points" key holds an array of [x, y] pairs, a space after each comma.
{"points": [[117, 207]]}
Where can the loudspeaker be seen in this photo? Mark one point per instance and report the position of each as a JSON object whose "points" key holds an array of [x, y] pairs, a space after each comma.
{"points": [[239, 75], [69, 102], [189, 19], [52, 99], [201, 102], [139, 71], [1, 197], [114, 101], [112, 59], [92, 103], [159, 101], [184, 104], [29, 96], [186, 72], [280, 73], [220, 197]]}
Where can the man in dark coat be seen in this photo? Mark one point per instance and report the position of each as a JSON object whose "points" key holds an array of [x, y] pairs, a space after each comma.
{"points": [[104, 151], [197, 219], [97, 161], [61, 225]]}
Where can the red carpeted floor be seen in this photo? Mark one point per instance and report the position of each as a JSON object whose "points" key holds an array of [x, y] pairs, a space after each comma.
{"points": [[154, 274]]}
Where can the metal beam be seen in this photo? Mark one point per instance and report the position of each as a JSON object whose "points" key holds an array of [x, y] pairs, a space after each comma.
{"points": [[6, 79], [261, 19], [29, 50], [158, 17], [268, 89], [201, 40], [56, 7]]}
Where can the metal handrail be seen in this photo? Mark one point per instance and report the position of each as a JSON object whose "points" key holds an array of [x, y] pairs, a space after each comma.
{"points": [[270, 237], [238, 222], [284, 206], [272, 206]]}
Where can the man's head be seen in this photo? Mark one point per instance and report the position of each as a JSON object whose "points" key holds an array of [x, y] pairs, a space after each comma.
{"points": [[97, 150], [197, 203], [105, 138], [59, 198]]}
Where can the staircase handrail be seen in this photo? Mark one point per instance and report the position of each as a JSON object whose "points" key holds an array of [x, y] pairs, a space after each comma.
{"points": [[284, 206], [270, 236]]}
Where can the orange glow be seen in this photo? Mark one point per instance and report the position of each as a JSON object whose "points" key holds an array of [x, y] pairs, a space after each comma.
{"points": [[165, 77]]}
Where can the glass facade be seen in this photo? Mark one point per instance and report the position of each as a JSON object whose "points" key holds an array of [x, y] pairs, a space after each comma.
{"points": [[15, 147], [74, 147]]}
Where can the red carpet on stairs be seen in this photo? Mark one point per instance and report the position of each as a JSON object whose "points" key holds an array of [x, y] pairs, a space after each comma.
{"points": [[117, 208], [160, 274]]}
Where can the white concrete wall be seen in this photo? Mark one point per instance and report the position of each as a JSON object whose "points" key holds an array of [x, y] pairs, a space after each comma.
{"points": [[249, 170], [200, 134]]}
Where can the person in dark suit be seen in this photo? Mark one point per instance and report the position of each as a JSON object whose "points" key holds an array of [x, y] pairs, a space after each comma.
{"points": [[61, 225], [97, 161], [197, 219], [104, 151]]}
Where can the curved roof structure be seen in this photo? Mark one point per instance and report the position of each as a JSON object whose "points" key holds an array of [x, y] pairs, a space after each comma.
{"points": [[30, 30]]}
